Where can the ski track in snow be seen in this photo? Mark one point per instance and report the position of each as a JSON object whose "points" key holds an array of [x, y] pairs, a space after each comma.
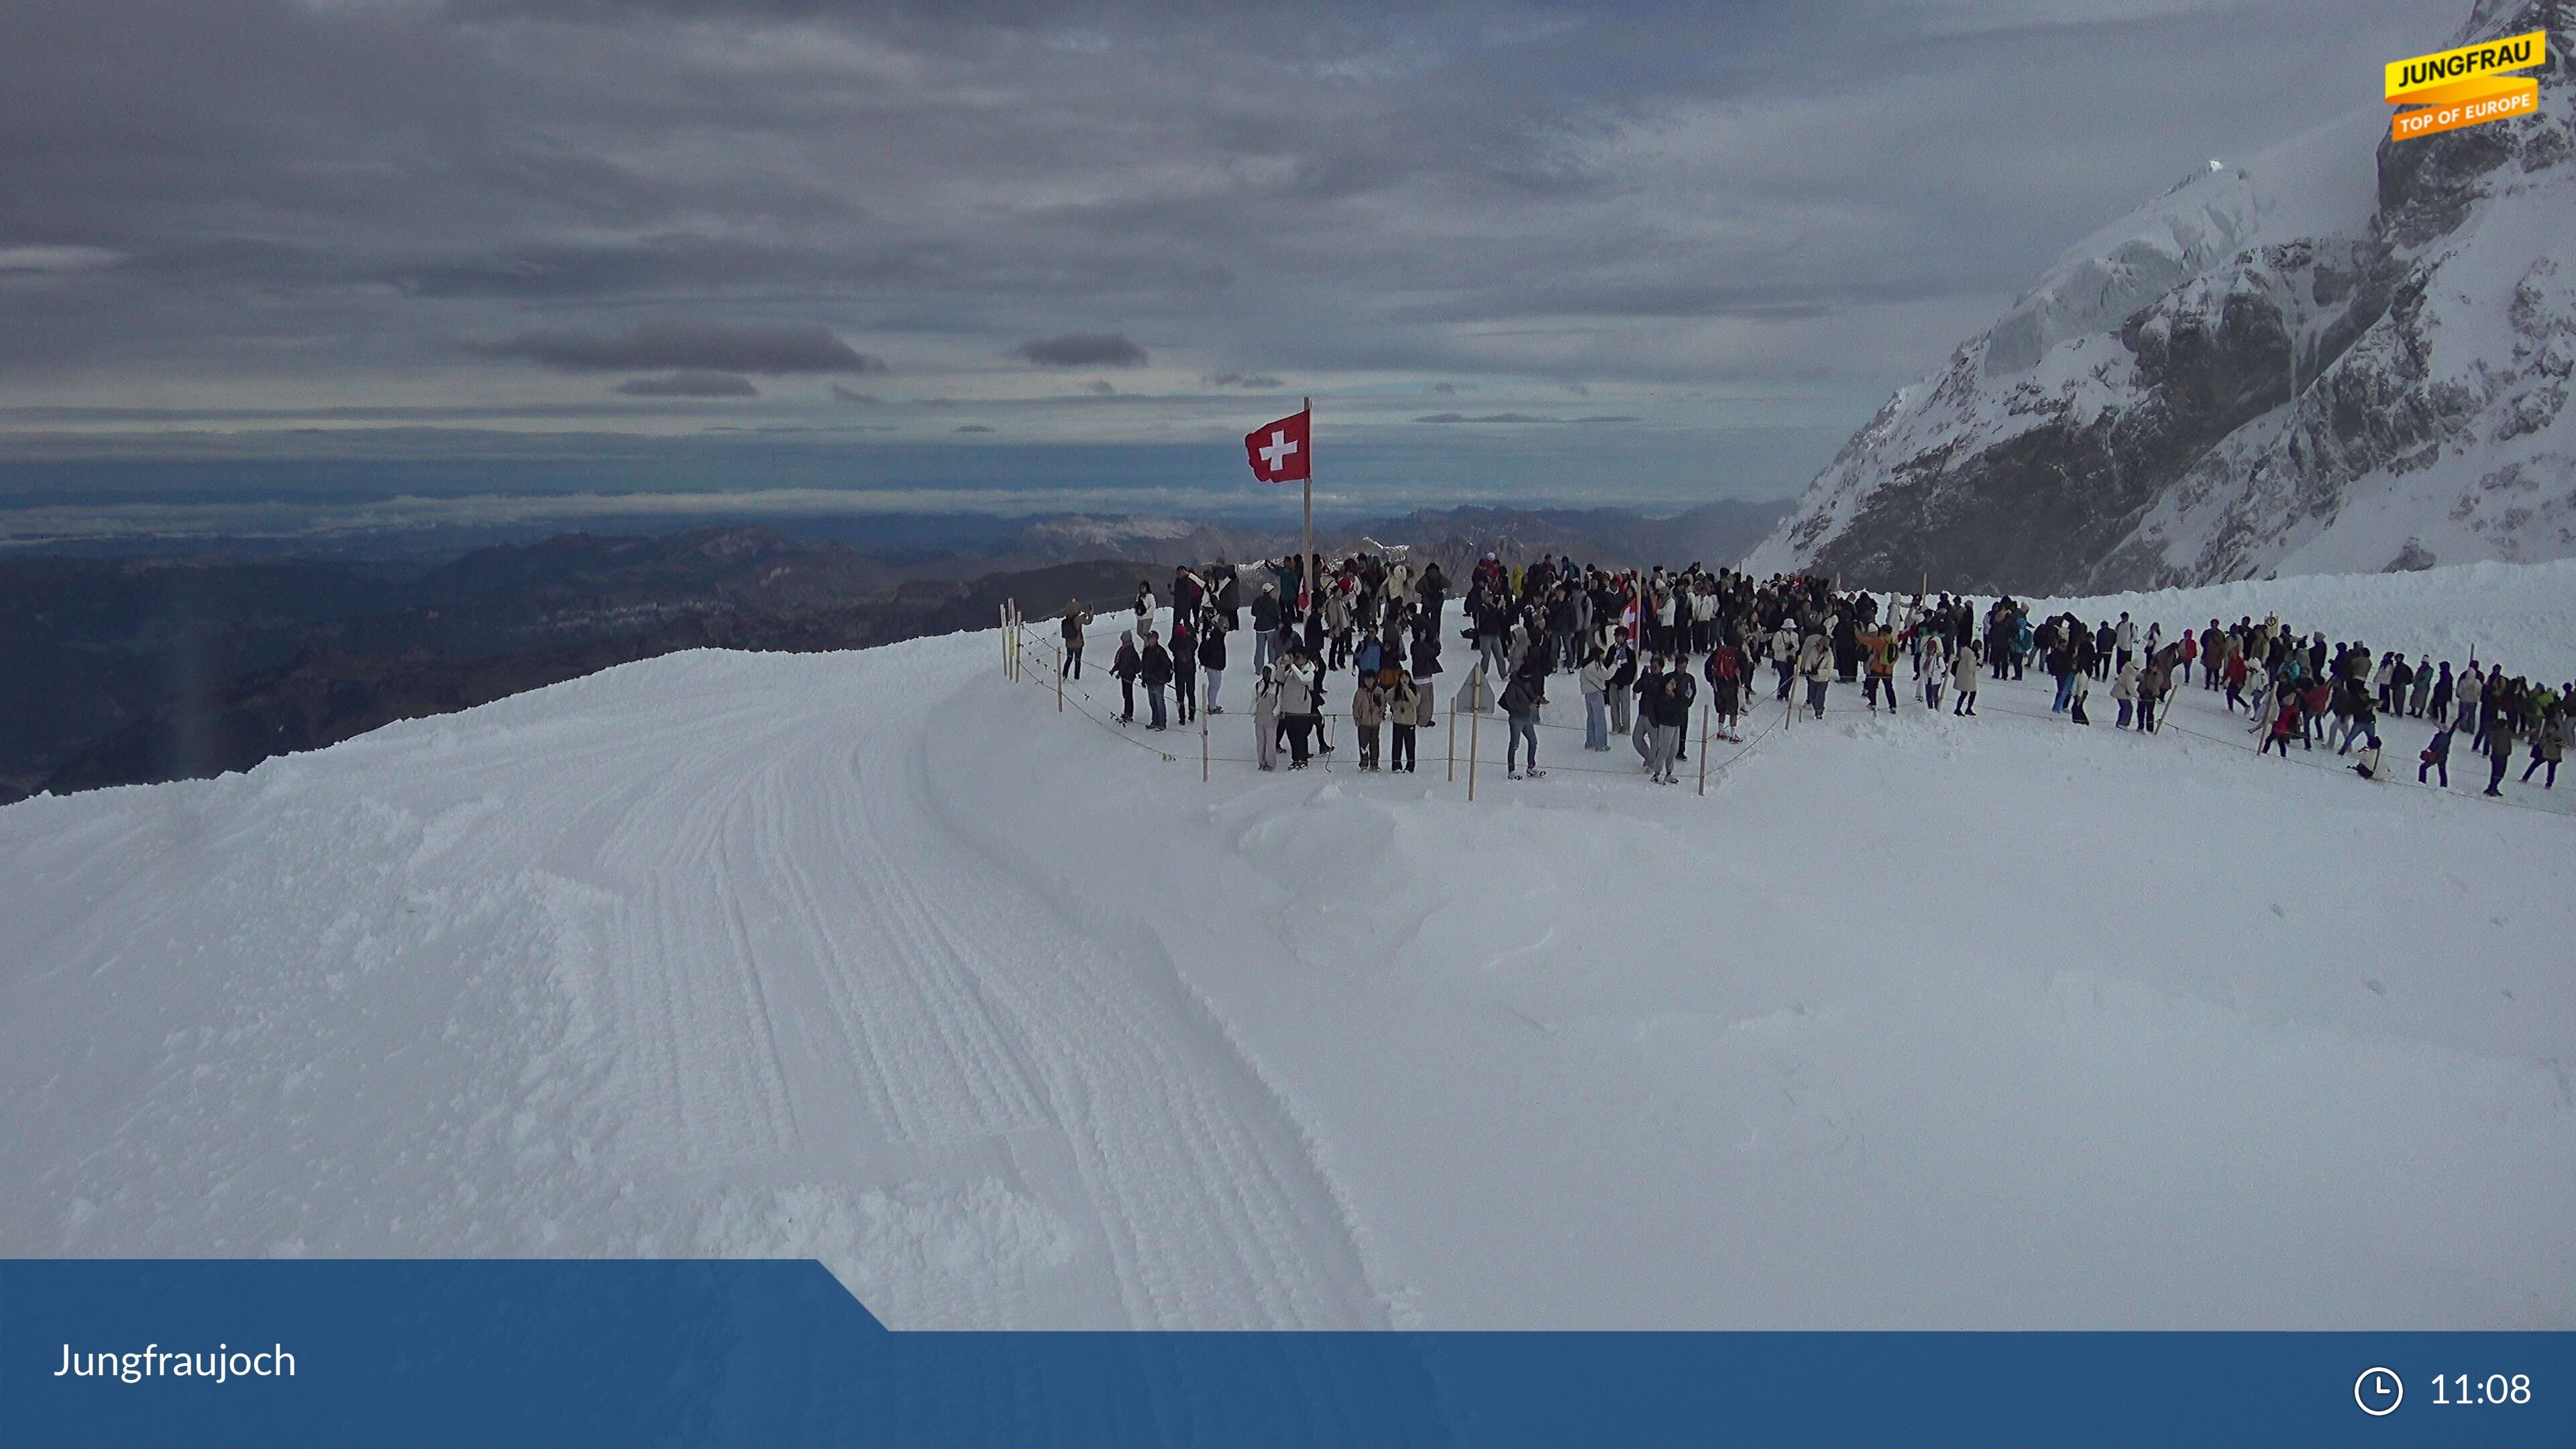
{"points": [[875, 958]]}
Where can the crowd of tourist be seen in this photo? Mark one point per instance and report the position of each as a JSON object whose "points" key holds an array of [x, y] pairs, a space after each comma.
{"points": [[1640, 645]]}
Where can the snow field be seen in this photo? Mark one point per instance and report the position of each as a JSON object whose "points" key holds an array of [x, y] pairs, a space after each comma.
{"points": [[874, 957]]}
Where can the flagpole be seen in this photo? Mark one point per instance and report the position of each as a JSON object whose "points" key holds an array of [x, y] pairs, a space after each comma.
{"points": [[1306, 564]]}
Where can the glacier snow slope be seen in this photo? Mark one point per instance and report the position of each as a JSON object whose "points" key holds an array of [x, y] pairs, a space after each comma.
{"points": [[876, 958]]}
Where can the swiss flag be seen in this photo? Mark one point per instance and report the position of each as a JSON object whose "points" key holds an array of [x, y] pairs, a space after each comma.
{"points": [[1282, 452]]}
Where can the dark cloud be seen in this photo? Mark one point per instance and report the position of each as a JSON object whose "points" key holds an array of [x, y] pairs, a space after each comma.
{"points": [[1445, 389], [702, 346], [1099, 387], [848, 396], [1248, 381], [690, 384], [973, 428], [1082, 349], [1611, 418], [1485, 418]]}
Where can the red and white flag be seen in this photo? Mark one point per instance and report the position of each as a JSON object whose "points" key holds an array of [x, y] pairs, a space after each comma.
{"points": [[1282, 452]]}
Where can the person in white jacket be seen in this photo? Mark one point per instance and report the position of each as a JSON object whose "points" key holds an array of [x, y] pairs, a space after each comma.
{"points": [[1298, 681], [1594, 677], [1932, 666], [1966, 672], [1816, 662]]}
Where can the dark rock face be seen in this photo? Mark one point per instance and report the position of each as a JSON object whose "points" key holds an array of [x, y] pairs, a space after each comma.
{"points": [[2429, 352]]}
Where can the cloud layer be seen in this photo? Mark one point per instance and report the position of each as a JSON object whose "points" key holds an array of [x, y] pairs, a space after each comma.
{"points": [[1724, 221]]}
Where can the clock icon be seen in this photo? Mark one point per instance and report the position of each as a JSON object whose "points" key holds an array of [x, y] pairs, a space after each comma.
{"points": [[2378, 1392]]}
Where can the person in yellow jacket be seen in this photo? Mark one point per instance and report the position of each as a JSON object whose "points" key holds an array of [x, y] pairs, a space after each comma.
{"points": [[1878, 659]]}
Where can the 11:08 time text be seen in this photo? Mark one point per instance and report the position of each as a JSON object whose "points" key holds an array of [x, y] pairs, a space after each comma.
{"points": [[2493, 1389]]}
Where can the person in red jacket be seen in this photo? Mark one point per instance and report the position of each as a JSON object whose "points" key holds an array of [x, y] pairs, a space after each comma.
{"points": [[2284, 725]]}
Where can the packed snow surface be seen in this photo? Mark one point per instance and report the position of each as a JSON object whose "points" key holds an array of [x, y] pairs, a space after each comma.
{"points": [[877, 958]]}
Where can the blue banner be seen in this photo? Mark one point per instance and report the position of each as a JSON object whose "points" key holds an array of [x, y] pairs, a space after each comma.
{"points": [[778, 1354]]}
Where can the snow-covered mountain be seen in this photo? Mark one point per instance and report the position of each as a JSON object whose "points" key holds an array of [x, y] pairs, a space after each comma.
{"points": [[878, 958], [2344, 353]]}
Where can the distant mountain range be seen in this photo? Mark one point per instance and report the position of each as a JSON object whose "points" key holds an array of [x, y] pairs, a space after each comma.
{"points": [[127, 670], [1716, 534]]}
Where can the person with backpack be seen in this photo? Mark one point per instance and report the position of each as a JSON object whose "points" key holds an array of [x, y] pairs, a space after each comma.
{"points": [[2367, 764], [1076, 618], [2124, 693], [1726, 689], [1124, 668]]}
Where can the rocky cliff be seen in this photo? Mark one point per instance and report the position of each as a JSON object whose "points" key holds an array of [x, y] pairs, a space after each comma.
{"points": [[2343, 354]]}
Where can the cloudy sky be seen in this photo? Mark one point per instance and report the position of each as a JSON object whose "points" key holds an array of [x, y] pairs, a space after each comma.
{"points": [[982, 251]]}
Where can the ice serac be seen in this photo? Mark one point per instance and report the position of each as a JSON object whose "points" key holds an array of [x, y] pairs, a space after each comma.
{"points": [[2329, 357]]}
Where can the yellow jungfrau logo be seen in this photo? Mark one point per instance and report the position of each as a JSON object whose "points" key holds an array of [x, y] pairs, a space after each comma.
{"points": [[2466, 87]]}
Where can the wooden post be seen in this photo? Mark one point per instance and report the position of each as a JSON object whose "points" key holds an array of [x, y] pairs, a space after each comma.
{"points": [[1203, 746], [1004, 614], [1475, 719], [1451, 744], [1704, 712]]}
